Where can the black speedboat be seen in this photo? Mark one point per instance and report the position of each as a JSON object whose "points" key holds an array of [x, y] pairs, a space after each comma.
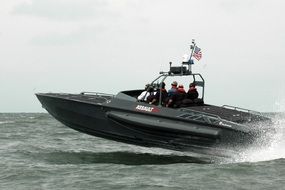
{"points": [[199, 127]]}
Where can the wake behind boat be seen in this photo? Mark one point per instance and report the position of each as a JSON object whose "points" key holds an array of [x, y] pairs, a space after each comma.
{"points": [[191, 126]]}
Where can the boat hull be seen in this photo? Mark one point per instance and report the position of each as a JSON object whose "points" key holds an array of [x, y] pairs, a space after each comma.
{"points": [[115, 122]]}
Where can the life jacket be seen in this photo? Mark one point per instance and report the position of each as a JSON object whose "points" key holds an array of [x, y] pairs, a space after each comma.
{"points": [[180, 89], [192, 93]]}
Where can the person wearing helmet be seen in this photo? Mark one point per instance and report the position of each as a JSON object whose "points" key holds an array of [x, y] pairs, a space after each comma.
{"points": [[173, 89], [155, 99], [181, 89], [192, 93], [176, 99], [148, 91]]}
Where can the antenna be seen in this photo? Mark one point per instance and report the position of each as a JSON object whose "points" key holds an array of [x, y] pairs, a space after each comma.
{"points": [[193, 41], [192, 47]]}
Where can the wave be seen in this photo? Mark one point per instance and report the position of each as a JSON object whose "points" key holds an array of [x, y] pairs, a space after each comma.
{"points": [[274, 151], [6, 122]]}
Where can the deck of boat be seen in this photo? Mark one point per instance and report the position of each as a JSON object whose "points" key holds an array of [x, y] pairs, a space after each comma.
{"points": [[229, 113], [94, 98]]}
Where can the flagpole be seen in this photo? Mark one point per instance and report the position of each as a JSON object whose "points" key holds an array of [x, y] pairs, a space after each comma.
{"points": [[191, 47]]}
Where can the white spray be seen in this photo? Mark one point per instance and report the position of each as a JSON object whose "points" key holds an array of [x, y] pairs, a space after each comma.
{"points": [[276, 148]]}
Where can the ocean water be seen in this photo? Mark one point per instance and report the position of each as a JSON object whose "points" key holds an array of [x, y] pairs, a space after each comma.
{"points": [[37, 152]]}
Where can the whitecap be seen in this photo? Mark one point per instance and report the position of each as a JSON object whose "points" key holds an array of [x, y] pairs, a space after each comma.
{"points": [[5, 122]]}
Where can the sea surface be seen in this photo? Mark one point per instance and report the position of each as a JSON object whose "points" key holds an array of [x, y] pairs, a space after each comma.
{"points": [[37, 152]]}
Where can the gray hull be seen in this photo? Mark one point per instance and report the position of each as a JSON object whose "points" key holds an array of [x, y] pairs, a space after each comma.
{"points": [[146, 125]]}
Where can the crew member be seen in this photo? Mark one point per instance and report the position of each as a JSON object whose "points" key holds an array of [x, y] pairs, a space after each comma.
{"points": [[192, 93], [173, 88], [177, 98], [148, 91], [155, 99]]}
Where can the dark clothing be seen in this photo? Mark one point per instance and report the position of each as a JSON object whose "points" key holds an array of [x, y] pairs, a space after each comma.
{"points": [[179, 96], [192, 94], [176, 99], [172, 91], [164, 95]]}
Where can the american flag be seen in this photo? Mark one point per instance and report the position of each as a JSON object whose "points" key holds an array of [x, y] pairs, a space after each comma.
{"points": [[197, 53]]}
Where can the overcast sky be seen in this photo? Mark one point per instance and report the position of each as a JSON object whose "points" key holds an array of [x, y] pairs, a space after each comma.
{"points": [[113, 45]]}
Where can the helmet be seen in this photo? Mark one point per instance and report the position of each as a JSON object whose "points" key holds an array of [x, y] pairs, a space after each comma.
{"points": [[147, 86], [174, 83]]}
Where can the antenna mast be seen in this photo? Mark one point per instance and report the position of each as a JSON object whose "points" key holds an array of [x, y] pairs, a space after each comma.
{"points": [[192, 47]]}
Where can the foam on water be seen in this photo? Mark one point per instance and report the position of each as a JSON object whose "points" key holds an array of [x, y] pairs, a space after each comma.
{"points": [[276, 149]]}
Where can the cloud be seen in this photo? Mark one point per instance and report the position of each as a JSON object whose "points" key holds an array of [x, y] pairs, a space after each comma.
{"points": [[43, 41], [65, 10], [82, 35]]}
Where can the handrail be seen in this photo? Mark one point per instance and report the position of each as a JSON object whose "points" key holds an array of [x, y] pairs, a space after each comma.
{"points": [[96, 93], [242, 109]]}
